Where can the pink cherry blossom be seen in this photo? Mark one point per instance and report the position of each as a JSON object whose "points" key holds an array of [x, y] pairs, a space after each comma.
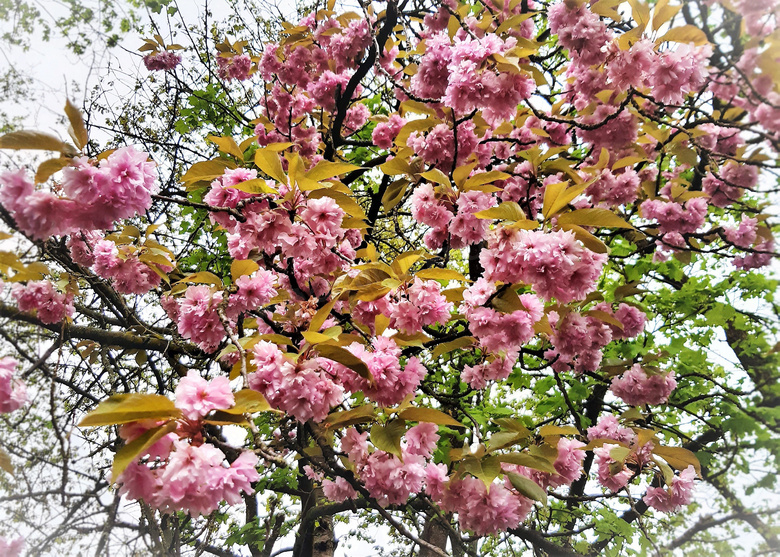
{"points": [[41, 297], [162, 61], [674, 497], [13, 392], [636, 387], [196, 397]]}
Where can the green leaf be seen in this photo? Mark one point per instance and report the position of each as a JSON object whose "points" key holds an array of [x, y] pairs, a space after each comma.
{"points": [[135, 449], [268, 161], [125, 408], [77, 129], [678, 458], [601, 218], [248, 401], [388, 437], [527, 487], [346, 358], [509, 210], [361, 414], [430, 415], [31, 139], [325, 170]]}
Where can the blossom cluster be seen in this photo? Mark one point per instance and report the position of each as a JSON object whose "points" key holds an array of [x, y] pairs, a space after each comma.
{"points": [[554, 263], [162, 61], [304, 232], [42, 298], [181, 471], [118, 187], [637, 387]]}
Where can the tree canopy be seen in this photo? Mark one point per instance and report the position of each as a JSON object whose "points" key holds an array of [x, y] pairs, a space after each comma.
{"points": [[451, 278]]}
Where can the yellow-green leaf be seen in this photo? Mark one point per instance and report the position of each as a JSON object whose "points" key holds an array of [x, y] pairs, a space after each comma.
{"points": [[663, 12], [125, 408], [557, 196], [588, 239], [551, 429], [685, 34], [49, 167], [437, 176], [601, 218], [640, 12], [77, 129], [388, 437], [206, 171], [527, 487], [439, 274], [528, 460], [135, 448], [484, 178], [456, 344], [268, 161], [5, 462], [404, 262], [248, 401], [242, 267], [326, 169], [429, 415], [31, 139], [254, 186], [203, 277], [361, 414], [347, 204], [227, 145], [346, 358], [679, 458], [509, 210]]}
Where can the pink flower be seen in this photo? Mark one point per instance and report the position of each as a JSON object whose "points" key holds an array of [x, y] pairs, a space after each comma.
{"points": [[485, 512], [196, 397], [237, 67], [338, 490], [635, 387], [11, 548], [41, 297], [199, 317], [554, 263], [323, 215], [384, 133], [421, 439], [674, 497], [743, 235], [13, 392], [165, 61], [609, 428], [611, 474]]}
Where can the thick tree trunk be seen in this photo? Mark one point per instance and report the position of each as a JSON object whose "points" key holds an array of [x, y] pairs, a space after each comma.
{"points": [[435, 533]]}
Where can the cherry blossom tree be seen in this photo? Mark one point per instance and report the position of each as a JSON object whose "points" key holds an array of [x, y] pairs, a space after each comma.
{"points": [[478, 278]]}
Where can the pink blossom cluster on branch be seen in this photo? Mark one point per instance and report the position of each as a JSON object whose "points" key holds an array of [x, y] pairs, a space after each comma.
{"points": [[182, 470]]}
